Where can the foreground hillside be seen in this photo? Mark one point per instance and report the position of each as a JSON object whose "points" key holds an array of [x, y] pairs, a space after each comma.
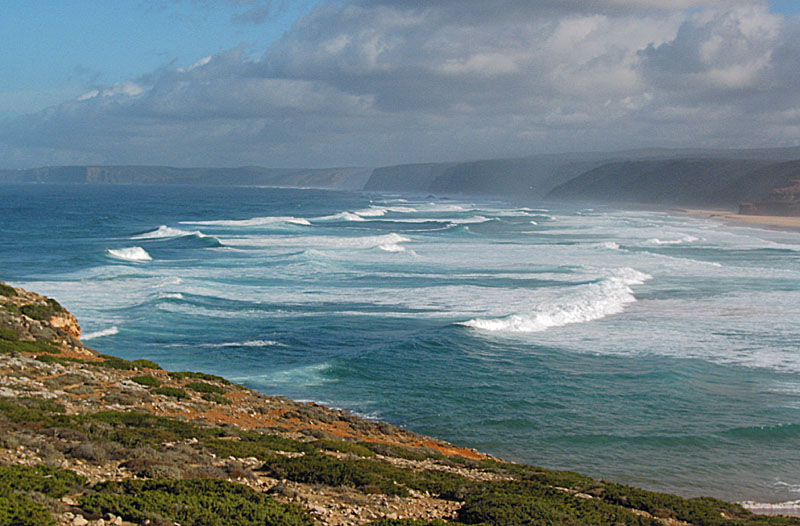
{"points": [[87, 438]]}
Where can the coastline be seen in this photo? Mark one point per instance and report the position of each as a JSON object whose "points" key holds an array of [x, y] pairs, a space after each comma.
{"points": [[67, 407], [781, 223]]}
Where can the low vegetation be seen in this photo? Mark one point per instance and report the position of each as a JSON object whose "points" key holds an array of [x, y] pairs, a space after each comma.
{"points": [[147, 381]]}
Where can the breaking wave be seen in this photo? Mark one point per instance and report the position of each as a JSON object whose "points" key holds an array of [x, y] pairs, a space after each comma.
{"points": [[165, 232], [679, 241], [253, 221], [130, 254], [99, 334], [594, 301]]}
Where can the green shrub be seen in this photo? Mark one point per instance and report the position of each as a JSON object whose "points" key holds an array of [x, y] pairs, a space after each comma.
{"points": [[8, 334], [253, 444], [38, 346], [342, 446], [203, 387], [216, 398], [196, 502], [18, 510], [367, 475], [701, 511], [10, 307], [31, 410], [114, 362], [62, 360], [412, 522], [7, 291], [39, 312], [516, 503], [180, 375], [174, 392], [52, 482], [145, 364], [133, 428], [148, 381], [391, 450]]}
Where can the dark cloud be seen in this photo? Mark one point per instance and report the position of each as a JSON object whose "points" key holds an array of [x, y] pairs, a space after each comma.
{"points": [[375, 82]]}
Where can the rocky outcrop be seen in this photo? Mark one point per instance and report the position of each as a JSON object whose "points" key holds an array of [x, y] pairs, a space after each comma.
{"points": [[34, 317]]}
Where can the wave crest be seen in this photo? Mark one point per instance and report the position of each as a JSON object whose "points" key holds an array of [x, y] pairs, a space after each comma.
{"points": [[99, 334], [253, 221], [165, 232], [594, 301], [130, 254]]}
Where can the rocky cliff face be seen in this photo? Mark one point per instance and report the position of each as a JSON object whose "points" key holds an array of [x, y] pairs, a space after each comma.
{"points": [[34, 318]]}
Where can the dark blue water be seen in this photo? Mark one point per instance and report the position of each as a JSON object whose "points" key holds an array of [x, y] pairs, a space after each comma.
{"points": [[641, 347]]}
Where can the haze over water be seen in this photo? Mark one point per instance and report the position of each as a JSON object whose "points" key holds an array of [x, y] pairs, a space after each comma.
{"points": [[640, 347]]}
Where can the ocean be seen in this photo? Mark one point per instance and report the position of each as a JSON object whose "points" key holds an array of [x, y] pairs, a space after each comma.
{"points": [[642, 347]]}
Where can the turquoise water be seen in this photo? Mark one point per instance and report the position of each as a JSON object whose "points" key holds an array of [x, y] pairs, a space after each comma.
{"points": [[642, 347]]}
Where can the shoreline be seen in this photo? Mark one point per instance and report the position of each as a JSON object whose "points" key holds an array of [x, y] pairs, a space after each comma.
{"points": [[45, 359], [779, 223]]}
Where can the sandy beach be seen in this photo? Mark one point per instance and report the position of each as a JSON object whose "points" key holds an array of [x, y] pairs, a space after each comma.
{"points": [[770, 222]]}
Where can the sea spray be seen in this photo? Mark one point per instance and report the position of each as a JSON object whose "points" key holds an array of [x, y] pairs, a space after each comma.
{"points": [[130, 254], [588, 303]]}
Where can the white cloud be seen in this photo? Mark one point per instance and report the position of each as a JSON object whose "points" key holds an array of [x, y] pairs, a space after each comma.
{"points": [[378, 82]]}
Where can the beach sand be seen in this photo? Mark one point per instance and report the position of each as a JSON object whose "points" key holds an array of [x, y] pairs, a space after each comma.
{"points": [[770, 222]]}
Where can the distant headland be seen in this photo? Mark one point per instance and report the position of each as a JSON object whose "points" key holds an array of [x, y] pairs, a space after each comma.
{"points": [[752, 181]]}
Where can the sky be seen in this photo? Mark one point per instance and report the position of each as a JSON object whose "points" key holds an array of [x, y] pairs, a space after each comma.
{"points": [[315, 83]]}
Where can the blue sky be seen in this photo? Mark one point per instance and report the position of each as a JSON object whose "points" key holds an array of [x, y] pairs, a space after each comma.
{"points": [[375, 82], [58, 49]]}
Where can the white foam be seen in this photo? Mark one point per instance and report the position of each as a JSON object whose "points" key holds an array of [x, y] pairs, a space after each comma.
{"points": [[99, 334], [773, 508], [343, 216], [610, 245], [130, 254], [392, 248], [679, 241], [592, 302], [318, 242], [373, 211], [173, 296], [253, 221], [251, 343], [165, 232]]}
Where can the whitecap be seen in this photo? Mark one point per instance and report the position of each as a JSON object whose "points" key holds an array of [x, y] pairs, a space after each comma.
{"points": [[373, 211], [130, 254], [165, 232], [342, 216], [593, 302], [250, 343], [392, 248], [253, 221], [99, 334], [173, 296], [318, 242], [679, 241], [772, 508]]}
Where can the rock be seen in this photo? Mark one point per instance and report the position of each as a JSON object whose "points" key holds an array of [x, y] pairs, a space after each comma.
{"points": [[79, 521]]}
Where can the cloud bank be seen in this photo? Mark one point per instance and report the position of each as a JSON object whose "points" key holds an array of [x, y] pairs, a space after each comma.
{"points": [[379, 82]]}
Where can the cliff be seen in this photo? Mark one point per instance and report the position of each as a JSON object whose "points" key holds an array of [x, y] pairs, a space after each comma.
{"points": [[88, 438], [692, 182], [342, 178]]}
